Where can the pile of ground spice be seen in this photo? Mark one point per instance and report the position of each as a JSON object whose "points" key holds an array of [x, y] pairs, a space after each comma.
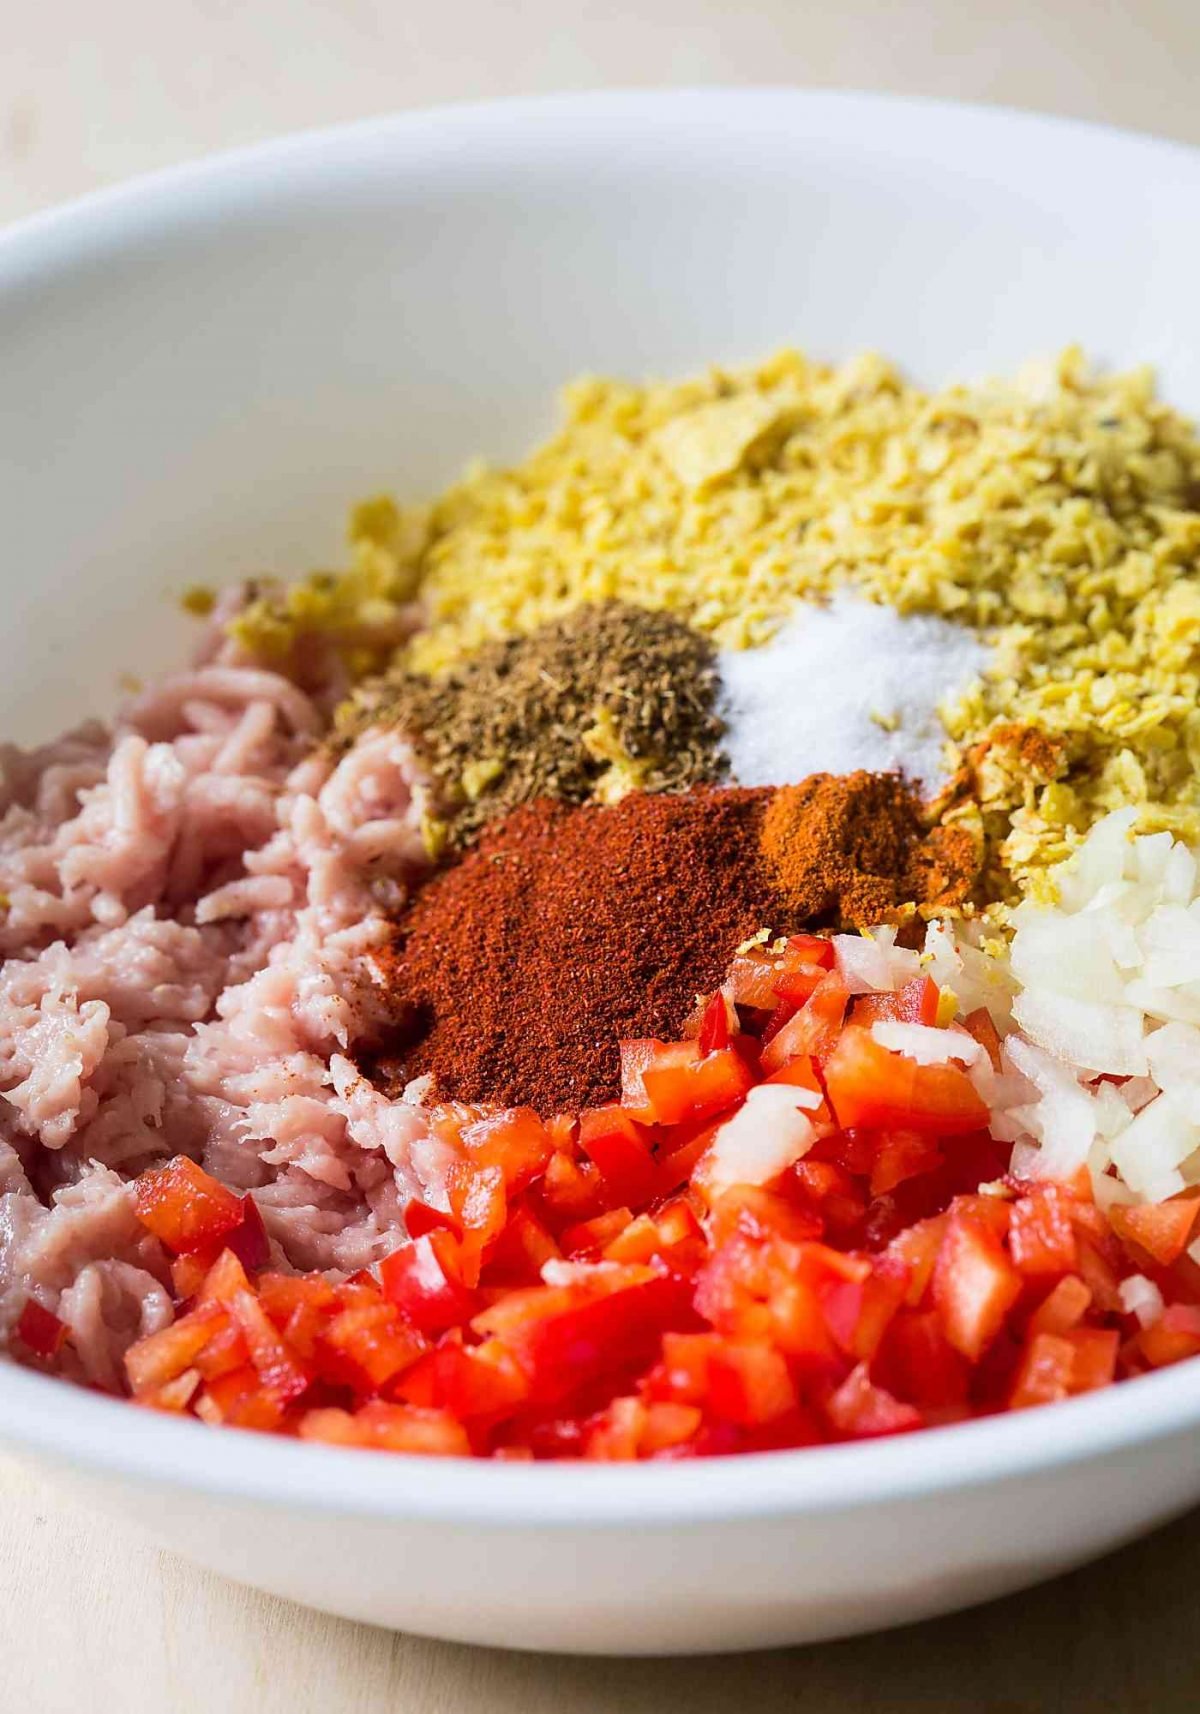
{"points": [[609, 699], [853, 849], [517, 970]]}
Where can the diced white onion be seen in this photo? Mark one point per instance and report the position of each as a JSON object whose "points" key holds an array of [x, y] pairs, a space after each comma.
{"points": [[1095, 1037], [768, 1134], [864, 962], [925, 1044], [1141, 1297], [1153, 1146]]}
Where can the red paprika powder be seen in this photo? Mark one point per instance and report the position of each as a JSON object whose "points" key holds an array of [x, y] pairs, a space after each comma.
{"points": [[516, 972]]}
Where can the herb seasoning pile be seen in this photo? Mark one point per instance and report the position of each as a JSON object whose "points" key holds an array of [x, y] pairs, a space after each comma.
{"points": [[606, 700]]}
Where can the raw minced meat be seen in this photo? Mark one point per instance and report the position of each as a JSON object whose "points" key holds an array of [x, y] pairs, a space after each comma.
{"points": [[185, 901]]}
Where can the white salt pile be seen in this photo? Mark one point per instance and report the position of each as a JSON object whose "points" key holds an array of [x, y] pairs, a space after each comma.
{"points": [[844, 686]]}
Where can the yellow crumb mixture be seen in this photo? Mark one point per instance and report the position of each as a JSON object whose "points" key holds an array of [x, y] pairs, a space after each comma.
{"points": [[1057, 513]]}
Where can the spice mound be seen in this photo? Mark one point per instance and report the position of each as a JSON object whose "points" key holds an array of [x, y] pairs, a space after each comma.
{"points": [[609, 699], [516, 971], [853, 849]]}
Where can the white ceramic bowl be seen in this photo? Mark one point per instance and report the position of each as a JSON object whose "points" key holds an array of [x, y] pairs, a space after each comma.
{"points": [[201, 371]]}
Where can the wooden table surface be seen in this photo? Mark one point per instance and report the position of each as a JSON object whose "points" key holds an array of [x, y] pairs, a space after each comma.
{"points": [[96, 1622]]}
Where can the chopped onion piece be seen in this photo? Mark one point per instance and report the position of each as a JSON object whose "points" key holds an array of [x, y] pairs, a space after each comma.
{"points": [[1093, 1036], [1174, 1055], [1141, 1297], [1064, 1120], [1164, 1004], [1170, 940], [768, 1134], [1153, 1145], [1066, 955], [1179, 874], [865, 962], [1100, 859], [925, 1044]]}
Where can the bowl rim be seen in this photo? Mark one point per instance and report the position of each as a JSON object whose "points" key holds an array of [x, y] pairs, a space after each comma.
{"points": [[70, 1427], [89, 1432]]}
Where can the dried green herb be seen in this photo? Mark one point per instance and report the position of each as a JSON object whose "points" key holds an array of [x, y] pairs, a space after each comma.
{"points": [[608, 699]]}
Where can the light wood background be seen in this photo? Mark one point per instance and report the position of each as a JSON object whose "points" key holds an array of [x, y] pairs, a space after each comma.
{"points": [[94, 1622]]}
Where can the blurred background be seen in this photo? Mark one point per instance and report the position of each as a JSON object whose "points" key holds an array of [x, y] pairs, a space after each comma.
{"points": [[94, 90]]}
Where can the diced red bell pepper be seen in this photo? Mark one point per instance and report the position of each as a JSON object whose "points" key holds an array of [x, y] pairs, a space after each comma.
{"points": [[714, 1025], [1041, 1237], [591, 1237], [980, 1024], [478, 1380], [563, 1346], [862, 1411], [870, 1086], [760, 1213], [917, 1247], [420, 1218], [224, 1280], [673, 1236], [1044, 1373], [479, 1200], [900, 1155], [687, 1086], [801, 1073], [423, 1280], [918, 1362], [225, 1351], [974, 1285], [282, 1294], [185, 1207], [857, 1312], [521, 1251], [1161, 1229], [752, 978], [278, 1368], [189, 1272], [384, 1427], [40, 1330], [747, 1383], [1095, 1361], [515, 1140], [614, 1435], [1100, 1277], [814, 1030], [683, 1146], [173, 1396], [1174, 1336], [668, 1425], [915, 1003], [249, 1240], [569, 1191], [1063, 1307], [373, 1338], [803, 967], [158, 1358], [240, 1400], [620, 1149]]}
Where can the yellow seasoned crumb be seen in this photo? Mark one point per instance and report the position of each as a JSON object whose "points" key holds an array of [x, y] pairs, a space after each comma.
{"points": [[198, 600], [1058, 513], [623, 773], [362, 608], [477, 776]]}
